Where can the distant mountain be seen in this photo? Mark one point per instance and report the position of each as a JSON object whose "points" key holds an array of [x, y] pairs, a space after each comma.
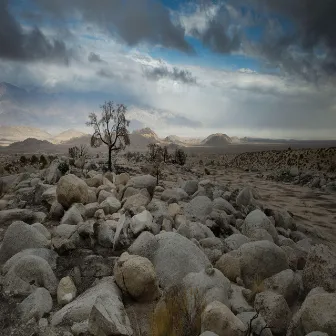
{"points": [[147, 133], [32, 145], [174, 139], [10, 134], [67, 135], [217, 140]]}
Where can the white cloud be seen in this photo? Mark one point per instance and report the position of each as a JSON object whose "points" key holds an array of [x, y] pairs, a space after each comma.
{"points": [[243, 103]]}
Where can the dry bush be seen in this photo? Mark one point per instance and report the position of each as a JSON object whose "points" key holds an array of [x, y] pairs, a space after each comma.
{"points": [[257, 287], [178, 314]]}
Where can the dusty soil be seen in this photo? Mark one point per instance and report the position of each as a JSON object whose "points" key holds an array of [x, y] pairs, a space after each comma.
{"points": [[313, 209]]}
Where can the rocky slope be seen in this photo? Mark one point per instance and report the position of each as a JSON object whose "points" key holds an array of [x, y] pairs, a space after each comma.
{"points": [[89, 253]]}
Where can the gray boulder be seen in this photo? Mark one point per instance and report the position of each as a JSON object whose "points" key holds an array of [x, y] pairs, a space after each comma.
{"points": [[172, 255], [260, 260], [79, 310], [110, 205], [317, 313], [141, 222], [218, 318], [210, 285], [11, 215], [49, 255], [72, 216], [190, 187], [36, 305], [199, 207], [224, 205], [320, 269], [136, 276], [20, 236], [234, 241], [108, 317], [275, 311], [286, 283], [178, 194], [195, 230], [258, 324], [258, 220], [238, 302], [71, 189], [29, 273], [247, 196], [143, 181]]}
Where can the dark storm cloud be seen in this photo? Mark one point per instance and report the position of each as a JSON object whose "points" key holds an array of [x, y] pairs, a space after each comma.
{"points": [[222, 34], [134, 21], [180, 75], [298, 36], [17, 45], [95, 58]]}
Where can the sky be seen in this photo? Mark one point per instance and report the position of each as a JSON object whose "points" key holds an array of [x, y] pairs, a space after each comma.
{"points": [[258, 68]]}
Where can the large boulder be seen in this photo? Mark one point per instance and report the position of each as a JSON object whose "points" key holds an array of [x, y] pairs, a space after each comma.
{"points": [[275, 311], [122, 179], [234, 241], [260, 260], [257, 220], [49, 196], [49, 255], [255, 322], [223, 205], [172, 255], [52, 173], [79, 310], [136, 201], [282, 219], [317, 313], [136, 276], [29, 273], [177, 194], [286, 283], [11, 215], [195, 230], [190, 187], [71, 189], [218, 318], [143, 181], [209, 285], [247, 196], [238, 302], [110, 205], [141, 222], [199, 207], [20, 236], [320, 269], [72, 216], [36, 305], [108, 317]]}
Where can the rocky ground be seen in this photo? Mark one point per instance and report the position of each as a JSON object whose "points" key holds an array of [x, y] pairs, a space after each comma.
{"points": [[216, 251]]}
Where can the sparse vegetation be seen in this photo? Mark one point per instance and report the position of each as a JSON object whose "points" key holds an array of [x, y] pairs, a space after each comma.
{"points": [[63, 167], [179, 314], [23, 160], [34, 159], [180, 156], [156, 157], [43, 161], [78, 152], [110, 129]]}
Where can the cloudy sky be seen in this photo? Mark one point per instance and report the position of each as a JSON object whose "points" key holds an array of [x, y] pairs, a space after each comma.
{"points": [[261, 68]]}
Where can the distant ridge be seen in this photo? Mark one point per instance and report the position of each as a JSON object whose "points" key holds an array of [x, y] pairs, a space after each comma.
{"points": [[217, 140]]}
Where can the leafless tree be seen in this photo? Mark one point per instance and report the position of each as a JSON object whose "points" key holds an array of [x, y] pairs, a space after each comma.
{"points": [[110, 129]]}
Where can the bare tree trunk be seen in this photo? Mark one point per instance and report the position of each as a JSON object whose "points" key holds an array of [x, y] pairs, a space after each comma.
{"points": [[110, 159]]}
